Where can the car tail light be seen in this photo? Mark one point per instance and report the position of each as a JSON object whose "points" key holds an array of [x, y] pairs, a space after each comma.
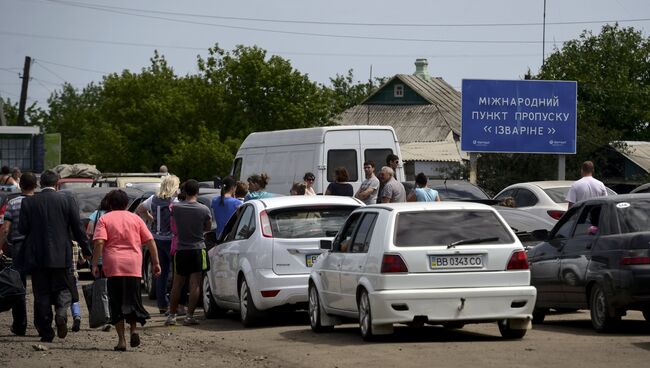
{"points": [[392, 263], [518, 261], [269, 293], [635, 257], [627, 261], [266, 225], [555, 214]]}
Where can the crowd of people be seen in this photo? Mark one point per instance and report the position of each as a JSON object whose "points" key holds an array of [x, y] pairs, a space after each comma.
{"points": [[45, 237]]}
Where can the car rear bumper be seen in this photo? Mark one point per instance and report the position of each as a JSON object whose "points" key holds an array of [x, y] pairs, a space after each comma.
{"points": [[292, 289], [458, 304]]}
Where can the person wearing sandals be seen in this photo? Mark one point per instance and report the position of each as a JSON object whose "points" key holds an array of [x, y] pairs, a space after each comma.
{"points": [[119, 237], [191, 220]]}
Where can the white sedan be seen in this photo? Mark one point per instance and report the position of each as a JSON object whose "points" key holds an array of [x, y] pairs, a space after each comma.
{"points": [[447, 263], [543, 198], [266, 252]]}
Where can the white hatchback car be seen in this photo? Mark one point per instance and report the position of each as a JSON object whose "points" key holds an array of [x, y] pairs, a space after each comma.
{"points": [[448, 263], [267, 251]]}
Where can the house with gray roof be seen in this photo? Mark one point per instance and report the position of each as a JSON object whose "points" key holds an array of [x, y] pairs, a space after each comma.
{"points": [[425, 113]]}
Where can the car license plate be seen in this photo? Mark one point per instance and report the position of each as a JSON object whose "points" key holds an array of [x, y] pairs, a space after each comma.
{"points": [[456, 261], [311, 259]]}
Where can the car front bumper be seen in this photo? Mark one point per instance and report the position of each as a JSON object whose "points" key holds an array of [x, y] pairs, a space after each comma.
{"points": [[457, 304]]}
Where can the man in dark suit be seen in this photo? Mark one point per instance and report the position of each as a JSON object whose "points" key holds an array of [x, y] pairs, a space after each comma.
{"points": [[47, 219]]}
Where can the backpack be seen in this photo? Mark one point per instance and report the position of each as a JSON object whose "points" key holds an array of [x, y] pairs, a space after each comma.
{"points": [[161, 226]]}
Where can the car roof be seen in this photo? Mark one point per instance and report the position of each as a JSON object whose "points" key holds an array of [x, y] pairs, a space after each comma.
{"points": [[547, 184], [431, 206], [632, 197], [290, 201]]}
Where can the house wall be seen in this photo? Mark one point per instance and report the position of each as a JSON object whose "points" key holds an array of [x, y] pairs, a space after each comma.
{"points": [[386, 96]]}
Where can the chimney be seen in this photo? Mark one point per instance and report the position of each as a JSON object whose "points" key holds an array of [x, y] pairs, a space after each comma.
{"points": [[421, 69]]}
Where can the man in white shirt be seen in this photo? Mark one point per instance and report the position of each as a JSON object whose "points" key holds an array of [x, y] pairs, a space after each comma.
{"points": [[587, 187], [368, 190]]}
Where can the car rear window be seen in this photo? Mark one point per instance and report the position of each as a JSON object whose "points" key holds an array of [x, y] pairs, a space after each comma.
{"points": [[557, 195], [454, 192], [427, 228], [634, 216], [308, 222]]}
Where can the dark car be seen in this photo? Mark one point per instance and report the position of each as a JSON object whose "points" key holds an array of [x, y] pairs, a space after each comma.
{"points": [[455, 190], [528, 227], [596, 257], [643, 188]]}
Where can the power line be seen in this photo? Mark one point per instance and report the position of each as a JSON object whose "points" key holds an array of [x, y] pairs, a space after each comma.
{"points": [[49, 70], [313, 34], [42, 85], [135, 44], [73, 67], [293, 21]]}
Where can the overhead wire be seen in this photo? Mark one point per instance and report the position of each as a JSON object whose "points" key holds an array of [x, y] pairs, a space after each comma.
{"points": [[357, 24], [314, 34]]}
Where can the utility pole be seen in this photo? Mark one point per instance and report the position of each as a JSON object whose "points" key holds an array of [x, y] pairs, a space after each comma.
{"points": [[23, 91], [3, 121], [544, 35]]}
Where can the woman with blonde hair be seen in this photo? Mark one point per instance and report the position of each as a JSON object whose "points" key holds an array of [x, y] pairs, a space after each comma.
{"points": [[155, 210]]}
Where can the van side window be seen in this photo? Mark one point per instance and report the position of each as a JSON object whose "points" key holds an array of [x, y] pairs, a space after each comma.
{"points": [[236, 169], [378, 156], [345, 158]]}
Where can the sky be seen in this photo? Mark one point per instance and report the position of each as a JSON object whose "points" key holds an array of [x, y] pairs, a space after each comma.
{"points": [[79, 41]]}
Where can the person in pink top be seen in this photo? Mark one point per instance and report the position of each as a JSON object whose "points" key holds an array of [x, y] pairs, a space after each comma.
{"points": [[118, 238]]}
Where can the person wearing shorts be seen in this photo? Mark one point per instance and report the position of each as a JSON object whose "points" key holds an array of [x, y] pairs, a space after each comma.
{"points": [[191, 219]]}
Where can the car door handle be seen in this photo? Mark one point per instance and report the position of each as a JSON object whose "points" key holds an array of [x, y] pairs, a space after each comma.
{"points": [[303, 251]]}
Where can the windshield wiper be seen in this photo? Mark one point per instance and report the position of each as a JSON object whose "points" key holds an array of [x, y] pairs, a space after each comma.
{"points": [[472, 241]]}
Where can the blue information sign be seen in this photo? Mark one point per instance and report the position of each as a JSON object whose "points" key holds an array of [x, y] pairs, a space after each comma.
{"points": [[524, 116]]}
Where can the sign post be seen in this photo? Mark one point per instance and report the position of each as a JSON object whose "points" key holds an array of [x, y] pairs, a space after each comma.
{"points": [[519, 116]]}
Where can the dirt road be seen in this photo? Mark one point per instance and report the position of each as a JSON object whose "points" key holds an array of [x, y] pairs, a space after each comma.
{"points": [[285, 340]]}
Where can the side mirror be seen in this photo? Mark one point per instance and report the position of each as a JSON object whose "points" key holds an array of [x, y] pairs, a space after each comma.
{"points": [[541, 234], [326, 244]]}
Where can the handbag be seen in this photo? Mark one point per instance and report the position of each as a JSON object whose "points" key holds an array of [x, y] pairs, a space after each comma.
{"points": [[96, 296], [11, 288]]}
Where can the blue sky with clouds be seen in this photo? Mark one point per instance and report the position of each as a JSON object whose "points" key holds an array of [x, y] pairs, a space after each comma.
{"points": [[78, 41]]}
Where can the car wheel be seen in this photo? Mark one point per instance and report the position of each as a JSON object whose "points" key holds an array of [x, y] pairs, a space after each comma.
{"points": [[247, 310], [600, 310], [149, 281], [365, 316], [210, 307], [510, 333], [315, 311], [539, 314]]}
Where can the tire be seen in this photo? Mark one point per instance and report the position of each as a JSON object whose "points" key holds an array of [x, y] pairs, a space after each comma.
{"points": [[247, 311], [538, 315], [365, 317], [600, 310], [315, 311], [509, 333], [210, 307], [149, 281]]}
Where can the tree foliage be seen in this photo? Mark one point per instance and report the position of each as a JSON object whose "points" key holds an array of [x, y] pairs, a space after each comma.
{"points": [[613, 74], [194, 124]]}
